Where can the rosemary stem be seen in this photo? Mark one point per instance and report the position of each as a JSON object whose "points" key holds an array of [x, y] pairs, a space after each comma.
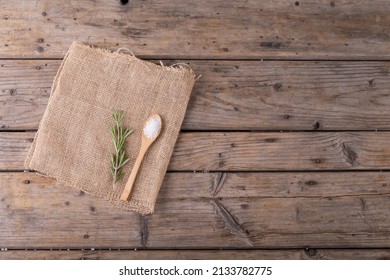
{"points": [[117, 155], [118, 158]]}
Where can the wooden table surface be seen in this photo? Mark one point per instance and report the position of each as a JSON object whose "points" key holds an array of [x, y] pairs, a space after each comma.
{"points": [[285, 148]]}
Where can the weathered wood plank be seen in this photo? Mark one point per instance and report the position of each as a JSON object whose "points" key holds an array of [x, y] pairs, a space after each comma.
{"points": [[274, 184], [38, 212], [190, 185], [201, 29], [204, 219], [14, 148], [282, 151], [272, 223], [246, 184], [24, 92], [237, 95], [250, 151], [322, 254]]}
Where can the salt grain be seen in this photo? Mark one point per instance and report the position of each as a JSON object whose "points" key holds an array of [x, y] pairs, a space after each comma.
{"points": [[152, 128]]}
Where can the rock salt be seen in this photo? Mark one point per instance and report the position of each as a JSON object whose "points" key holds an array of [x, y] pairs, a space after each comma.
{"points": [[152, 128]]}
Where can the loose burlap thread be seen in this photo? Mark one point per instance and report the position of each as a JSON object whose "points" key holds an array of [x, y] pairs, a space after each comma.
{"points": [[73, 141]]}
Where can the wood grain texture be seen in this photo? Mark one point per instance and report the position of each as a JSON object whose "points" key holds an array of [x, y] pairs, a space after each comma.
{"points": [[14, 149], [24, 93], [255, 223], [38, 212], [255, 151], [281, 151], [204, 211], [302, 254], [283, 207], [189, 185], [236, 95], [200, 29]]}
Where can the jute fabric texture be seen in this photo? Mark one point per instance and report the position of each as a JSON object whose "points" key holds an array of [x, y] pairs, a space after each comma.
{"points": [[73, 141]]}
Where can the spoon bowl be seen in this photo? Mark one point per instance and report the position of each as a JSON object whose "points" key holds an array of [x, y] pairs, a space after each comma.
{"points": [[152, 128]]}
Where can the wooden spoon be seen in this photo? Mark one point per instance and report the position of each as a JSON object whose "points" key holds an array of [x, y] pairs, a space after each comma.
{"points": [[150, 132]]}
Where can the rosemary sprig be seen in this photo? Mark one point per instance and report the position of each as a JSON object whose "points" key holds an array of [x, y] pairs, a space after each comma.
{"points": [[119, 135]]}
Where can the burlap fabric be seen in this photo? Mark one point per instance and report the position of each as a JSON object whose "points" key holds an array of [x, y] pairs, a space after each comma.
{"points": [[73, 141]]}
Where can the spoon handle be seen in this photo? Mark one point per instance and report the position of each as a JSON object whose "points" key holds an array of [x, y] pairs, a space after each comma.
{"points": [[130, 182]]}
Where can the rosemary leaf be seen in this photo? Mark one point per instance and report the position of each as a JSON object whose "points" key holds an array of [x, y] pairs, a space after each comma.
{"points": [[119, 135], [121, 158], [126, 160], [127, 132]]}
